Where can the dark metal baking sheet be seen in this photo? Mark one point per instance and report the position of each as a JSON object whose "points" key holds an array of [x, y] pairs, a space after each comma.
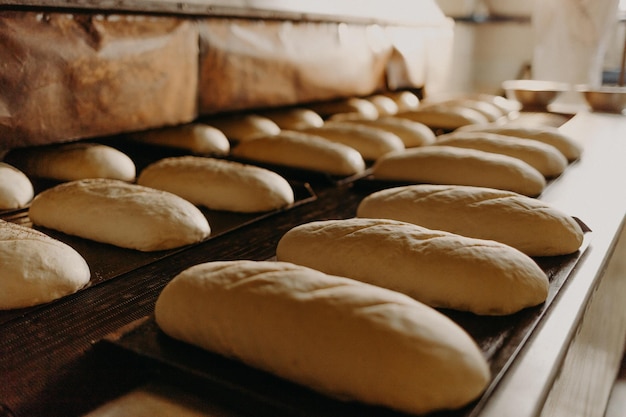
{"points": [[107, 261], [500, 338]]}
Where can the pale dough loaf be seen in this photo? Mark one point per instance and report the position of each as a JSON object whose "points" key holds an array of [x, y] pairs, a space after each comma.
{"points": [[488, 110], [115, 212], [360, 106], [504, 106], [437, 268], [527, 224], [385, 105], [369, 141], [16, 190], [36, 268], [301, 150], [456, 166], [541, 156], [245, 127], [405, 100], [335, 335], [571, 149], [219, 184], [195, 137], [295, 118], [448, 118], [73, 161], [411, 133]]}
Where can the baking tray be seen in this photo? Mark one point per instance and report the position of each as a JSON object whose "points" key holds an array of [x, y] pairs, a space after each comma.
{"points": [[250, 391], [108, 261]]}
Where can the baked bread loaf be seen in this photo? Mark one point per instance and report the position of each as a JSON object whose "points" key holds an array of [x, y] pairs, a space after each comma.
{"points": [[338, 336], [294, 118], [197, 138], [219, 184], [527, 224], [438, 268], [456, 166], [304, 151], [370, 142], [448, 118], [36, 268], [121, 214], [571, 149], [543, 157], [244, 127], [411, 133], [16, 190], [73, 161]]}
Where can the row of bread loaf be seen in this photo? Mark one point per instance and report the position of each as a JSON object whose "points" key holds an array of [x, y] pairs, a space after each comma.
{"points": [[349, 306], [342, 306], [209, 182], [97, 199], [452, 246]]}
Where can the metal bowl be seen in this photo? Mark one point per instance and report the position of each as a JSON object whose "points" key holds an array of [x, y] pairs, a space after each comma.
{"points": [[534, 95], [605, 99]]}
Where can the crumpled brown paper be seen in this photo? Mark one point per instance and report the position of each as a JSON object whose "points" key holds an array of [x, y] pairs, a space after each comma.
{"points": [[67, 76], [248, 64]]}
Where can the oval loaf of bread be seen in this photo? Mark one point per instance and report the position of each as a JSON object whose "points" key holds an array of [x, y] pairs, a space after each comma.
{"points": [[456, 166], [437, 268], [411, 133], [219, 184], [369, 141], [294, 118], [301, 150], [195, 137], [121, 214], [245, 127], [405, 100], [448, 118], [488, 110], [546, 134], [36, 268], [385, 105], [543, 157], [341, 337], [352, 105], [16, 190], [525, 223], [73, 161]]}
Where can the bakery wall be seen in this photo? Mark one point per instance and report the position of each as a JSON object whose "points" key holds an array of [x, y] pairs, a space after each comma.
{"points": [[114, 73]]}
